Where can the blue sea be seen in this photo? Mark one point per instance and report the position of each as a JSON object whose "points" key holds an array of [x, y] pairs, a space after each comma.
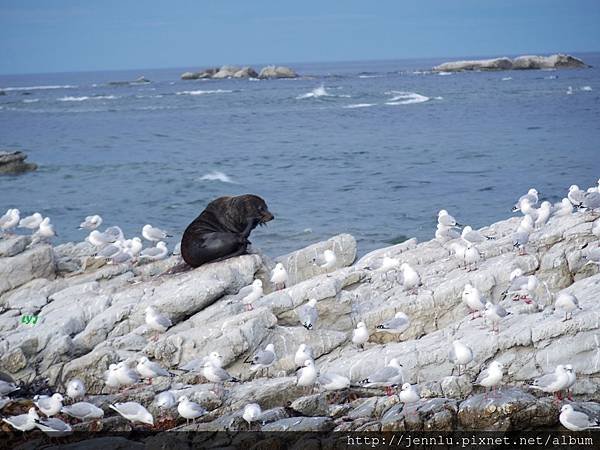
{"points": [[374, 149]]}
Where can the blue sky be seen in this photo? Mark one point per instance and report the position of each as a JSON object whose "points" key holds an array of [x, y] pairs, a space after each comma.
{"points": [[71, 35]]}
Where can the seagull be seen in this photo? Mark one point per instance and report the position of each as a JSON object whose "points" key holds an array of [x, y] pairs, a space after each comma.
{"points": [[388, 376], [460, 354], [445, 233], [7, 388], [155, 253], [279, 276], [591, 200], [165, 400], [460, 252], [531, 197], [409, 394], [49, 406], [251, 294], [91, 222], [562, 208], [572, 379], [252, 413], [330, 259], [263, 359], [552, 383], [519, 239], [568, 303], [360, 335], [98, 239], [134, 245], [31, 222], [217, 375], [399, 324], [388, 263], [10, 220], [109, 251], [411, 279], [447, 220], [543, 214], [470, 236], [83, 411], [111, 378], [307, 376], [114, 234], [153, 234], [126, 375], [592, 256], [576, 420], [472, 257], [495, 313], [332, 381], [157, 321], [471, 297], [308, 314], [491, 377], [46, 230], [23, 422], [189, 410], [521, 286], [4, 401], [303, 354], [150, 369], [198, 364], [54, 427], [596, 228], [133, 412], [575, 195], [528, 210]]}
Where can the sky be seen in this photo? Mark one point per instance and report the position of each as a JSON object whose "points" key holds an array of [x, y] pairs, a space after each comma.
{"points": [[39, 36]]}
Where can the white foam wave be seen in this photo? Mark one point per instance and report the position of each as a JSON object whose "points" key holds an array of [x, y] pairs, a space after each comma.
{"points": [[31, 100], [73, 99], [37, 88], [201, 92], [405, 98], [359, 105], [315, 93], [369, 76], [442, 74], [438, 98], [217, 176], [586, 88], [506, 78]]}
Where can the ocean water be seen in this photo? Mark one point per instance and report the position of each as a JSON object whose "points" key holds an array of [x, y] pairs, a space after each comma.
{"points": [[374, 149]]}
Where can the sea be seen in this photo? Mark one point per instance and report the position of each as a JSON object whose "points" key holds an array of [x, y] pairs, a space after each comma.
{"points": [[371, 148]]}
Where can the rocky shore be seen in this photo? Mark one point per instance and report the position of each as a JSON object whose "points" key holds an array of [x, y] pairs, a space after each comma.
{"points": [[91, 315], [219, 73], [12, 163], [527, 62]]}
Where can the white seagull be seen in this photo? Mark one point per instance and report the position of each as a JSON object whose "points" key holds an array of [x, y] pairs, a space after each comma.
{"points": [[154, 234]]}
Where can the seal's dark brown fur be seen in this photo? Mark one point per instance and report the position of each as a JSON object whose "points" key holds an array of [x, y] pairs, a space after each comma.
{"points": [[221, 231]]}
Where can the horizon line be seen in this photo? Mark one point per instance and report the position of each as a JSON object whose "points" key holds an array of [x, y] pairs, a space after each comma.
{"points": [[296, 62]]}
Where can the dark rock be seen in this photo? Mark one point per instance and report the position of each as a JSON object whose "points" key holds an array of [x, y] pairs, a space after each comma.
{"points": [[14, 163], [432, 414]]}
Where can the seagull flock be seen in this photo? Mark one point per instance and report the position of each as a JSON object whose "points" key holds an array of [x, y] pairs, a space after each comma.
{"points": [[113, 246], [110, 244]]}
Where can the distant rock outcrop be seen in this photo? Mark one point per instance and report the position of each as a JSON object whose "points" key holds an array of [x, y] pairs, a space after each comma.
{"points": [[241, 72], [14, 162], [558, 61]]}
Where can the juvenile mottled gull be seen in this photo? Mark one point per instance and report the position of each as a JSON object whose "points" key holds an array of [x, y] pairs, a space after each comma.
{"points": [[308, 314], [576, 420], [133, 412], [83, 411], [263, 359], [398, 324]]}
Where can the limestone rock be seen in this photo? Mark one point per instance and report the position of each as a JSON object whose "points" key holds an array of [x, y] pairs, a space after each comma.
{"points": [[14, 163], [277, 72]]}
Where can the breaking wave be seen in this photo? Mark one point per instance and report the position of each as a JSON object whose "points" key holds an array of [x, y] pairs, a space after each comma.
{"points": [[217, 176], [405, 98], [37, 88], [201, 92]]}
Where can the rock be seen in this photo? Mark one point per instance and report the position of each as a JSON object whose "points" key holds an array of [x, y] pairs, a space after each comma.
{"points": [[510, 409], [557, 61], [311, 405], [14, 163], [437, 414], [301, 424], [37, 262], [226, 72], [206, 73], [277, 72], [190, 75], [245, 72], [481, 64], [13, 246]]}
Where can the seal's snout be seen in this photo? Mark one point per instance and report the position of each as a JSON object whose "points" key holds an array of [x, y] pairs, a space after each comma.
{"points": [[266, 217]]}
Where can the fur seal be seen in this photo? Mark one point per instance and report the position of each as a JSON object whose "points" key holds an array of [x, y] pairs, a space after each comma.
{"points": [[221, 231]]}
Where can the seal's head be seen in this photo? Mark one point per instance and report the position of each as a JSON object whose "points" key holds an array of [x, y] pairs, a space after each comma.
{"points": [[251, 207]]}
